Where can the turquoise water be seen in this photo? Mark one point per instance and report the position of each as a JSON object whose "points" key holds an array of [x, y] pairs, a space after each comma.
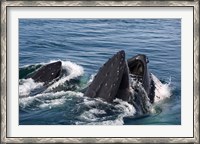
{"points": [[83, 46]]}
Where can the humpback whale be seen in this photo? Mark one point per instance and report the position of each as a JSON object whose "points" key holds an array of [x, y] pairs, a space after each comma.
{"points": [[113, 81], [47, 73]]}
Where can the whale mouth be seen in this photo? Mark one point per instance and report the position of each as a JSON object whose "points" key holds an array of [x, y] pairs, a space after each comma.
{"points": [[137, 66], [137, 70]]}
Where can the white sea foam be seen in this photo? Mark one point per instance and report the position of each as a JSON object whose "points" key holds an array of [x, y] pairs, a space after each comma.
{"points": [[97, 111], [27, 85], [58, 94], [91, 78], [52, 103], [50, 95], [51, 99], [26, 101], [88, 116], [126, 110], [92, 118], [89, 102], [73, 70], [162, 91]]}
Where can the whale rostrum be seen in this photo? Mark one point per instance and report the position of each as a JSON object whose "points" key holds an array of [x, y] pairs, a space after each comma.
{"points": [[47, 73], [108, 79]]}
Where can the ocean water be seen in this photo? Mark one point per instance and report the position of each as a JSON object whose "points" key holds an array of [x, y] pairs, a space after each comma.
{"points": [[83, 46]]}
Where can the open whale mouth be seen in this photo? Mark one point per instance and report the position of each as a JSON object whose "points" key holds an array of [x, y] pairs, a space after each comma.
{"points": [[137, 67]]}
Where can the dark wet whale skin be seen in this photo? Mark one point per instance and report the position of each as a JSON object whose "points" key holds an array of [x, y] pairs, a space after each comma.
{"points": [[107, 81], [47, 73]]}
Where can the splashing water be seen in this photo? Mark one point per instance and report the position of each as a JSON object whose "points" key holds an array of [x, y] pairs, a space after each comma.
{"points": [[103, 113], [27, 85], [162, 91]]}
